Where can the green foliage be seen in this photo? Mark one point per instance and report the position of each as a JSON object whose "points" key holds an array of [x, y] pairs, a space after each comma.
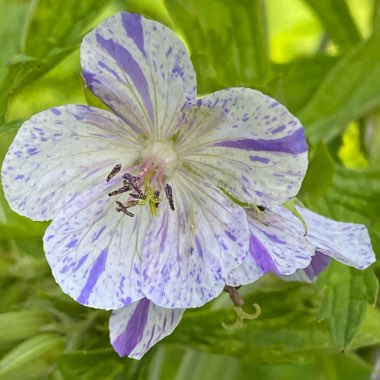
{"points": [[348, 292], [302, 328], [228, 49]]}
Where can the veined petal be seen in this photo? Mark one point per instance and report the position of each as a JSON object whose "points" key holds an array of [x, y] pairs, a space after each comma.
{"points": [[275, 246], [95, 252], [59, 153], [247, 143], [141, 70], [348, 243], [189, 252], [138, 327], [318, 263]]}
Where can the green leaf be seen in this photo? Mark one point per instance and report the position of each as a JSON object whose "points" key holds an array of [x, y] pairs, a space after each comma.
{"points": [[19, 325], [354, 196], [299, 80], [349, 91], [285, 332], [348, 292], [34, 349], [48, 40], [337, 21], [10, 127], [227, 49], [369, 332], [320, 172]]}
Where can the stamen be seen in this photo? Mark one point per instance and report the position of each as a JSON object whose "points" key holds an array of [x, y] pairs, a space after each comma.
{"points": [[133, 182], [123, 189], [123, 209], [169, 195], [138, 196], [114, 171]]}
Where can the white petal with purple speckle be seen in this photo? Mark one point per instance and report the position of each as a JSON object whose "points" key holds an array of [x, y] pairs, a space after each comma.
{"points": [[137, 327], [141, 70], [275, 246], [348, 243], [189, 252], [247, 143], [95, 252], [59, 153]]}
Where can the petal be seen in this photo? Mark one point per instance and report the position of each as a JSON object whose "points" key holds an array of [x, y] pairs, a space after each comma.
{"points": [[94, 252], [348, 243], [141, 70], [318, 263], [138, 327], [246, 143], [275, 246], [59, 153], [189, 252]]}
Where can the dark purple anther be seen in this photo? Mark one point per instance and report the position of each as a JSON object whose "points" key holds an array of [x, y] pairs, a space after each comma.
{"points": [[123, 189], [131, 180], [114, 171], [123, 209], [169, 195], [156, 194]]}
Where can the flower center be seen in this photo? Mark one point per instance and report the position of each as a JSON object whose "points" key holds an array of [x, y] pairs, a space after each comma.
{"points": [[159, 161], [162, 155]]}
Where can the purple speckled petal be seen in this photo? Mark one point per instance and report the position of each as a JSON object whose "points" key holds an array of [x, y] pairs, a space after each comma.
{"points": [[94, 251], [247, 143], [138, 327], [189, 252], [275, 246], [59, 153], [318, 263], [348, 243], [141, 70]]}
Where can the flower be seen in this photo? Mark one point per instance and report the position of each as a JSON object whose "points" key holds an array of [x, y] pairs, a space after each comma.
{"points": [[140, 197], [278, 244], [272, 247]]}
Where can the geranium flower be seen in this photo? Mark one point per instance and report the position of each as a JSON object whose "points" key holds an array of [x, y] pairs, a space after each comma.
{"points": [[140, 197], [278, 244]]}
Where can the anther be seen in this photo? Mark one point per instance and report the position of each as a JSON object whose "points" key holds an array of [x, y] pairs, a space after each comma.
{"points": [[169, 195], [114, 171], [123, 209], [138, 196], [123, 189], [131, 180]]}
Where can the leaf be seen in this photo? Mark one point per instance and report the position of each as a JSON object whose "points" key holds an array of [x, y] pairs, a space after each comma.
{"points": [[349, 91], [354, 196], [348, 292], [48, 40], [299, 80], [285, 332], [19, 325], [337, 21], [34, 349], [320, 172], [227, 49]]}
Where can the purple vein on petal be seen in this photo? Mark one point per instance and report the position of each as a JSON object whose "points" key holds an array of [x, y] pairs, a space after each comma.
{"points": [[134, 331], [292, 144], [96, 270], [131, 67], [261, 255], [133, 27]]}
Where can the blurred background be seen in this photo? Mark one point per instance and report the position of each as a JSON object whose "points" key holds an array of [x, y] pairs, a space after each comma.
{"points": [[321, 58]]}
